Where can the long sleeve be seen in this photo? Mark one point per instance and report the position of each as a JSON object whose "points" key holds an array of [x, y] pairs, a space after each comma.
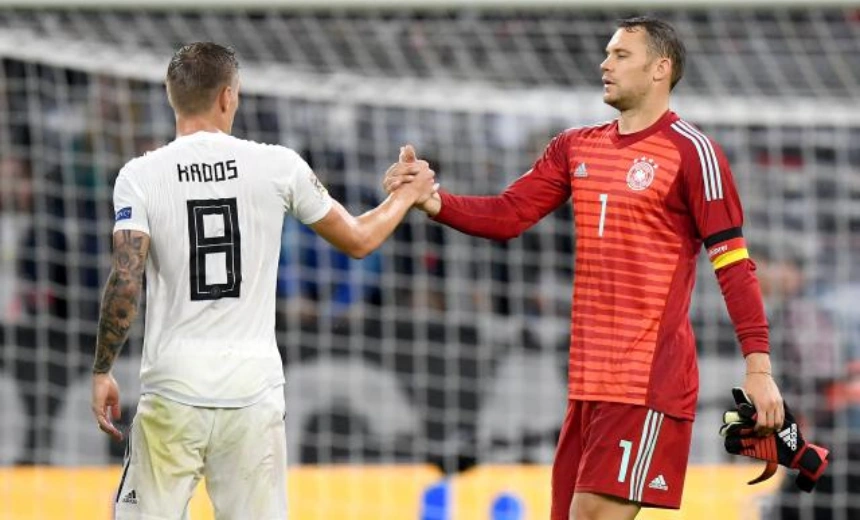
{"points": [[718, 214], [742, 294], [522, 204]]}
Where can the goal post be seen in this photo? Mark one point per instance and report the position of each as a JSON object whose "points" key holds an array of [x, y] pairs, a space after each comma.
{"points": [[421, 5]]}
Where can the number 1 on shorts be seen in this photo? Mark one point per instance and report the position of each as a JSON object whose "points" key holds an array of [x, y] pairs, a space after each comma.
{"points": [[625, 459]]}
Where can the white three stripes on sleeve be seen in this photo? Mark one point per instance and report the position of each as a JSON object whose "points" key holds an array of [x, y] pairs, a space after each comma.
{"points": [[647, 444], [708, 158]]}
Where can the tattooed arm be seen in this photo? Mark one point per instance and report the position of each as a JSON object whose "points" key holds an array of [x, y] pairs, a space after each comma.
{"points": [[121, 296], [119, 308]]}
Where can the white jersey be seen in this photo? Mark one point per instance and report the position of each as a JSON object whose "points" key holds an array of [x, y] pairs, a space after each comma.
{"points": [[213, 206]]}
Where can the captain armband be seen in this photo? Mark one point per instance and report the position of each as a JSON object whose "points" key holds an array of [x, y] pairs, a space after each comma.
{"points": [[726, 247]]}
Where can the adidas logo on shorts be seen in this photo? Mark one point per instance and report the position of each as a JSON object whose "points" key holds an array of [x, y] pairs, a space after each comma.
{"points": [[130, 498], [659, 483]]}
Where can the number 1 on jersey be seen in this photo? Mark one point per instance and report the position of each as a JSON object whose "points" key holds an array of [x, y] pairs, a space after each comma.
{"points": [[604, 197]]}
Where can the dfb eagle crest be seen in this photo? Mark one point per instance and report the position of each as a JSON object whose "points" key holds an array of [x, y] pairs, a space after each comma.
{"points": [[641, 174]]}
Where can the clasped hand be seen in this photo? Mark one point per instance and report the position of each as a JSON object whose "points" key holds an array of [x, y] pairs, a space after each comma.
{"points": [[413, 175]]}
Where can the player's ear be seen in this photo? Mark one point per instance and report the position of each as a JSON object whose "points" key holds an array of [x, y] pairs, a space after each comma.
{"points": [[225, 98], [663, 70], [169, 99]]}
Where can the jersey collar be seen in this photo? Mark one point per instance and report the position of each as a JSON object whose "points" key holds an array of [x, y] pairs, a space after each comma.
{"points": [[620, 141]]}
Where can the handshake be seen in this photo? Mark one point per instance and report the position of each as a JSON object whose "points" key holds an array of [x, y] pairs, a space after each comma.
{"points": [[413, 178]]}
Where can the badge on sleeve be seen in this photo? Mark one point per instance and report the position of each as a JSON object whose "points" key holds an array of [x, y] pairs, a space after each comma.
{"points": [[123, 214]]}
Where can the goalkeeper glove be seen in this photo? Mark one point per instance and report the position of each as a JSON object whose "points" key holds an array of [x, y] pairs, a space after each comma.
{"points": [[786, 446]]}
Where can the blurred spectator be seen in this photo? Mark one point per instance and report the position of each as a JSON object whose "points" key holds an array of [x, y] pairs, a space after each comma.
{"points": [[819, 371], [531, 347], [35, 342], [312, 273], [16, 204], [804, 338]]}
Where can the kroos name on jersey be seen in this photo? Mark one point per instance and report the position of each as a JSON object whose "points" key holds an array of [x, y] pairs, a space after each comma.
{"points": [[204, 172]]}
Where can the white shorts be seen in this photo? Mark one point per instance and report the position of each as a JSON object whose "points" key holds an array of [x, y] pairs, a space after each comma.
{"points": [[242, 452]]}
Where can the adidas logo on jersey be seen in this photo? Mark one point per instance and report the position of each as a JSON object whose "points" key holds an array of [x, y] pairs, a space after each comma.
{"points": [[581, 171], [130, 498], [789, 437], [659, 483]]}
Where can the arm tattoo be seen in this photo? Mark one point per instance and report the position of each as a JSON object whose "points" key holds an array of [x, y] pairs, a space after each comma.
{"points": [[121, 296]]}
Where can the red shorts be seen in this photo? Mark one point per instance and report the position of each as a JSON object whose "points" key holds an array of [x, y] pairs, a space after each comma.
{"points": [[623, 450]]}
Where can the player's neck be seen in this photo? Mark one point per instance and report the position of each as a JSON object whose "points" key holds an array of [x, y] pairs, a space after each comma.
{"points": [[192, 125], [639, 118]]}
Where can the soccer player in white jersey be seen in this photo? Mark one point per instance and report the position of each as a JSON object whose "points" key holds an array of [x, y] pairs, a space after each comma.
{"points": [[202, 216]]}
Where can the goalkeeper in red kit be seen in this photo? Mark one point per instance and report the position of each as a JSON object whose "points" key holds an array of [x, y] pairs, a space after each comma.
{"points": [[649, 190]]}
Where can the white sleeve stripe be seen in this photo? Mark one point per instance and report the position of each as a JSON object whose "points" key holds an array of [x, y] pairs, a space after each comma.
{"points": [[714, 171], [705, 165], [708, 154], [704, 158], [716, 174]]}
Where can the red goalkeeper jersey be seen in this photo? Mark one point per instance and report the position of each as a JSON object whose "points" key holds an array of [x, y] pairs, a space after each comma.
{"points": [[644, 204]]}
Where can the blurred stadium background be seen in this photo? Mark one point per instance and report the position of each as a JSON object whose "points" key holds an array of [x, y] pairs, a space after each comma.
{"points": [[440, 359]]}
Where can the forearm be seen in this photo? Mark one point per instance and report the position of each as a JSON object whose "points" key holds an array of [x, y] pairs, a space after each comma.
{"points": [[743, 298], [119, 308], [494, 217], [376, 225], [121, 296]]}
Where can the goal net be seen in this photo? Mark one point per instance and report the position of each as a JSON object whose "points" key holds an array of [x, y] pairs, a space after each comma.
{"points": [[438, 351]]}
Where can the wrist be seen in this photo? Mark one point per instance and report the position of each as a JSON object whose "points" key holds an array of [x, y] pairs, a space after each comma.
{"points": [[432, 206], [402, 197], [759, 372], [758, 362], [101, 371]]}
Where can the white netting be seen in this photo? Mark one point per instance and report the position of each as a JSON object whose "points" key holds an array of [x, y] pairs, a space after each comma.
{"points": [[439, 348]]}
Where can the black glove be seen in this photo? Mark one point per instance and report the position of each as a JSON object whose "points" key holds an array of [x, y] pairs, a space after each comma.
{"points": [[786, 447]]}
